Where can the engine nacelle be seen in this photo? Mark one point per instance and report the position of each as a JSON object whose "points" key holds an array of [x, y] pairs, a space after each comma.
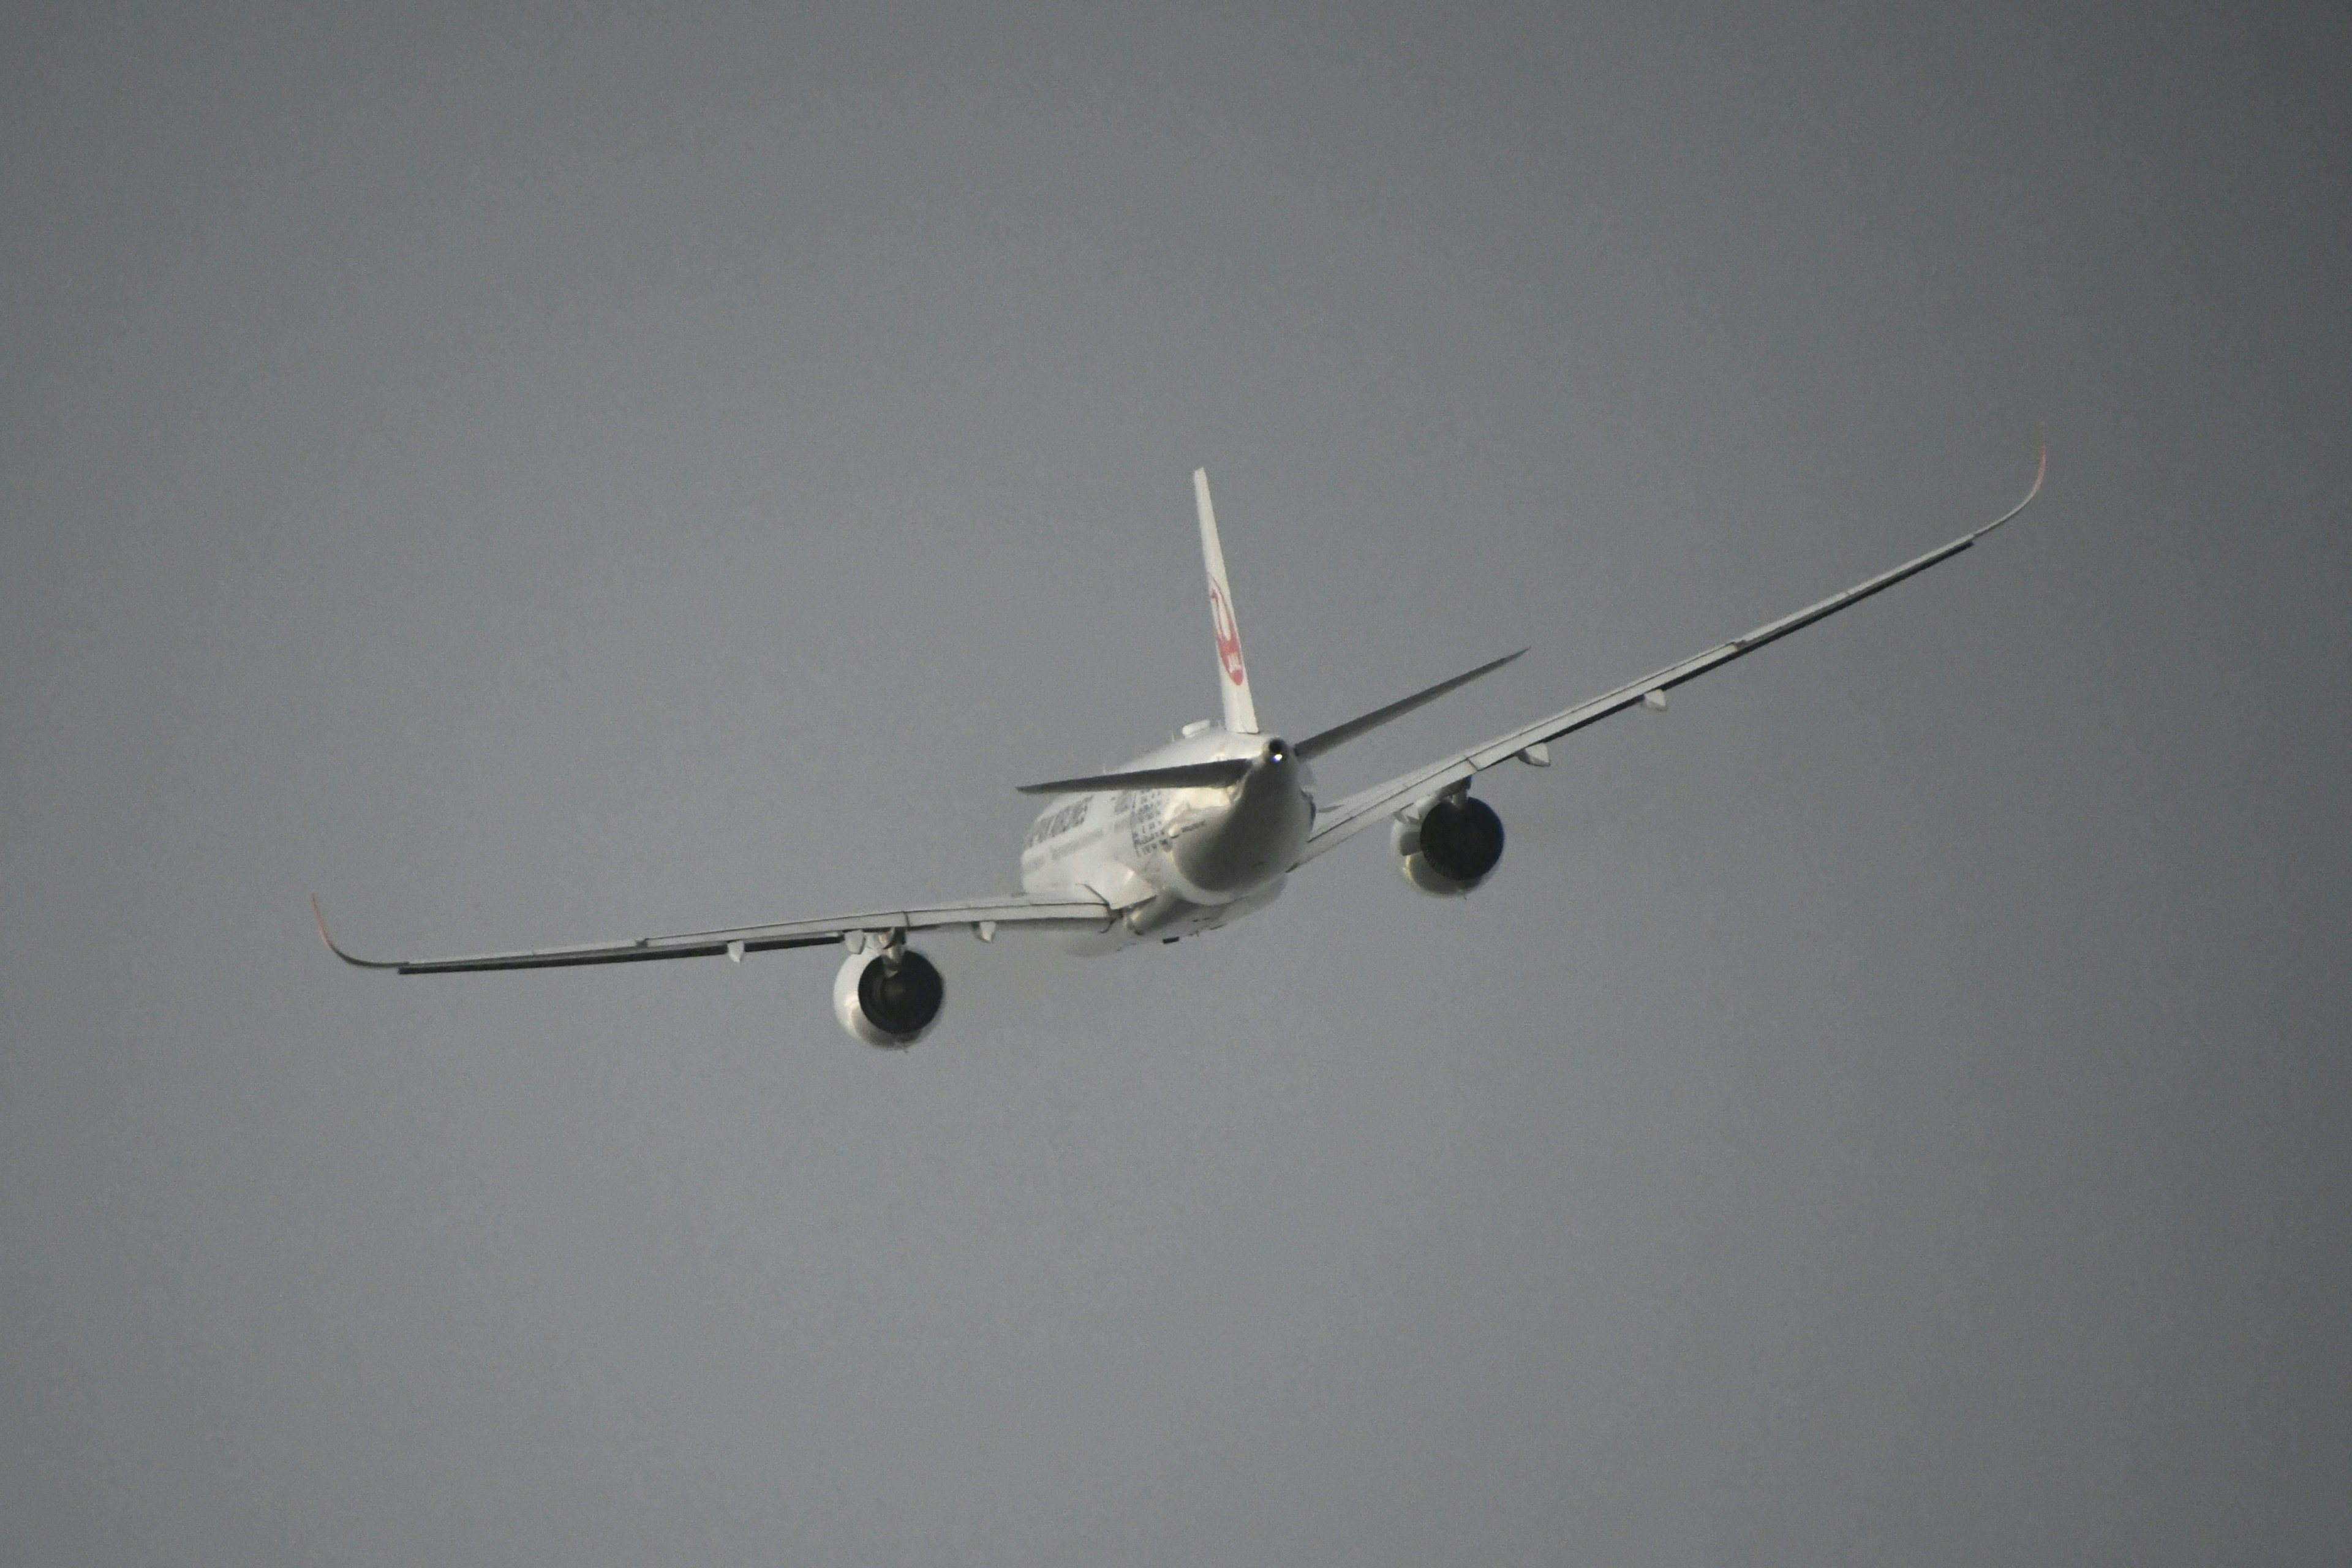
{"points": [[1447, 845], [886, 1003]]}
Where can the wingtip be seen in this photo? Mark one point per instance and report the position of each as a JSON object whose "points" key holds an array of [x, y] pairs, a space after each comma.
{"points": [[1490, 668], [320, 915], [2041, 472]]}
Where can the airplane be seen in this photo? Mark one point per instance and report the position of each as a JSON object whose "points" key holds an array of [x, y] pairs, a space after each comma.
{"points": [[1191, 836]]}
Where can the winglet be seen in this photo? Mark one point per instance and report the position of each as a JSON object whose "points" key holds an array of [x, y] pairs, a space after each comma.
{"points": [[2041, 472], [320, 916]]}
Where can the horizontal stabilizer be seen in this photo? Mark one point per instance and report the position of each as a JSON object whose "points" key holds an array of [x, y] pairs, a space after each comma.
{"points": [[1184, 775], [1314, 746]]}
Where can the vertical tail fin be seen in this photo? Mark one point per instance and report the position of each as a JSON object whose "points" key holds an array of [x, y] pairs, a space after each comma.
{"points": [[1233, 675]]}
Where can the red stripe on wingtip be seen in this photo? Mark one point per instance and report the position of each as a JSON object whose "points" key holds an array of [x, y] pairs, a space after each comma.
{"points": [[320, 916]]}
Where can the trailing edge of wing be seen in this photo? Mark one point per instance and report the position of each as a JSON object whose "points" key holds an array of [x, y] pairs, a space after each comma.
{"points": [[1342, 818], [1068, 914], [1183, 775], [1314, 746]]}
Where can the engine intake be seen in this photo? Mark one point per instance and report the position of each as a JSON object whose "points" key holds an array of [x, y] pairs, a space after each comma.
{"points": [[887, 1002], [1448, 846]]}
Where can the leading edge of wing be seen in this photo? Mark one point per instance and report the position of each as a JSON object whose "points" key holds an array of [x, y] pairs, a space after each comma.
{"points": [[1070, 914], [1343, 818]]}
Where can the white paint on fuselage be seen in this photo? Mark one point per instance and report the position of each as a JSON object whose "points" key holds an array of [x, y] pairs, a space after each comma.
{"points": [[1176, 861]]}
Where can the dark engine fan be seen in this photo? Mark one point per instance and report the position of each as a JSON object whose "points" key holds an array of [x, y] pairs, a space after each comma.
{"points": [[889, 998], [1449, 845]]}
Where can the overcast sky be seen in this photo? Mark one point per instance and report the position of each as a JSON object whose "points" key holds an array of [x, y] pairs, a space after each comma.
{"points": [[534, 474]]}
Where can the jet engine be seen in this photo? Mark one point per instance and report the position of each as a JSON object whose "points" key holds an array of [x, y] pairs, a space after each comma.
{"points": [[889, 997], [1447, 844]]}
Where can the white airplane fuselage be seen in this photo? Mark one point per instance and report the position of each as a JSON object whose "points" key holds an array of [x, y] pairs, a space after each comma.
{"points": [[1176, 861], [1190, 836]]}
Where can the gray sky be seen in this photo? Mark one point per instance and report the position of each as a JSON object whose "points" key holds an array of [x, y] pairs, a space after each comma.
{"points": [[539, 474]]}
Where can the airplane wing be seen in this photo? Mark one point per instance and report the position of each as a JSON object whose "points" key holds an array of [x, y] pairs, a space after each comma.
{"points": [[1343, 818], [983, 915]]}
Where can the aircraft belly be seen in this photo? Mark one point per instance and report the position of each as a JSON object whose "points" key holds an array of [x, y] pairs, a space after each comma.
{"points": [[1243, 849], [1174, 861]]}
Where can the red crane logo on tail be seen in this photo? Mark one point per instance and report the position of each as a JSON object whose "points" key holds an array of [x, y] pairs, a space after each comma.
{"points": [[1229, 641]]}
